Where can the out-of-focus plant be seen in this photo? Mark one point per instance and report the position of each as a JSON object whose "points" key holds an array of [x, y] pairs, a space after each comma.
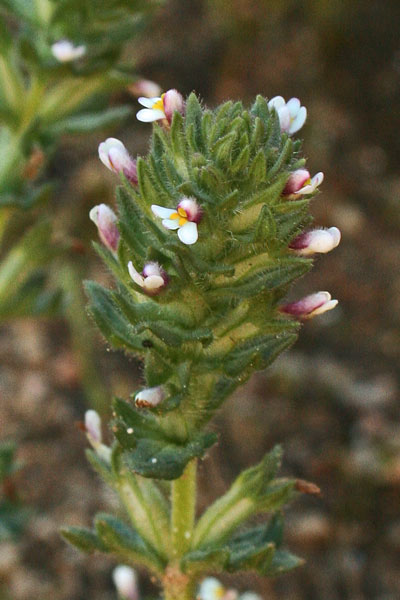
{"points": [[212, 231], [13, 514], [59, 62]]}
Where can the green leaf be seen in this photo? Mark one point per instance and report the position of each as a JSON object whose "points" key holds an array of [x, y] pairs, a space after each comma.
{"points": [[88, 122], [282, 562], [84, 539], [161, 460], [206, 559], [121, 539]]}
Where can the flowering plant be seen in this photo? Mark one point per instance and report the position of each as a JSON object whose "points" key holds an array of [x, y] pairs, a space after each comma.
{"points": [[216, 223]]}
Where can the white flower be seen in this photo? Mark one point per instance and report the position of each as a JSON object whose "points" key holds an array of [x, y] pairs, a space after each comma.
{"points": [[93, 434], [310, 306], [106, 222], [150, 397], [152, 279], [65, 51], [116, 157], [184, 218], [250, 596], [292, 115], [318, 240], [161, 107], [125, 581]]}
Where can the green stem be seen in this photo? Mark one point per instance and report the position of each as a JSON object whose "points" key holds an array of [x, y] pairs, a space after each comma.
{"points": [[177, 585]]}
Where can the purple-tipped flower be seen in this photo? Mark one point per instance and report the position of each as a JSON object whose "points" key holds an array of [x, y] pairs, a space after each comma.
{"points": [[153, 278], [65, 51], [150, 397], [300, 182], [184, 218], [318, 240], [106, 222], [310, 306], [292, 115], [125, 581], [161, 107], [146, 88], [116, 157]]}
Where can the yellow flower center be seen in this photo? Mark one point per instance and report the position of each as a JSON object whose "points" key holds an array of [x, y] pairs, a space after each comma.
{"points": [[181, 215], [307, 182], [159, 105]]}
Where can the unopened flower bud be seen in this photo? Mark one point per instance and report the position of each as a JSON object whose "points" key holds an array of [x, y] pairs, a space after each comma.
{"points": [[300, 182], [116, 157], [93, 434], [93, 427], [150, 397], [310, 306], [146, 88], [318, 240], [106, 222], [173, 101], [65, 51], [125, 581], [153, 278]]}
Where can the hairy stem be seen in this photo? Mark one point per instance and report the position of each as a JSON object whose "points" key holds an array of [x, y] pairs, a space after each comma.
{"points": [[177, 585]]}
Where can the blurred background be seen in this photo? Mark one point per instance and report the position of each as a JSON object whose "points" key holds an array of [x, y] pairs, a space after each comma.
{"points": [[333, 400]]}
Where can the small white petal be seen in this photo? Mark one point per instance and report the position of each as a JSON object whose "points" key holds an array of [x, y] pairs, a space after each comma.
{"points": [[148, 102], [147, 115], [325, 307], [153, 282], [162, 212], [284, 118], [317, 179], [125, 581], [171, 224], [294, 106], [137, 278], [276, 102], [188, 233], [298, 121], [211, 589]]}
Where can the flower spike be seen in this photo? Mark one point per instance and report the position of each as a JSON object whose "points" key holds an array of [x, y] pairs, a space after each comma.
{"points": [[310, 306], [153, 278], [319, 240], [116, 157], [185, 218], [160, 108], [300, 183], [106, 222], [65, 51], [292, 115]]}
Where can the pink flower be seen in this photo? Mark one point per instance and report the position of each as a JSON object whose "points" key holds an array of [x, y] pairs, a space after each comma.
{"points": [[318, 240], [146, 88], [153, 278], [310, 306], [162, 107], [300, 183], [116, 157], [184, 218], [106, 222]]}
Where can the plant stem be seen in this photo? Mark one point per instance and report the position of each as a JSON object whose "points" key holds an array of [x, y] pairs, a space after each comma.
{"points": [[177, 585]]}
